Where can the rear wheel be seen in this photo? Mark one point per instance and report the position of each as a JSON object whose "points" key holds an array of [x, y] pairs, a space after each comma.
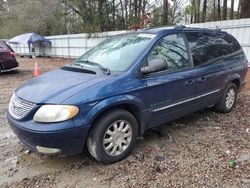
{"points": [[113, 136], [229, 99]]}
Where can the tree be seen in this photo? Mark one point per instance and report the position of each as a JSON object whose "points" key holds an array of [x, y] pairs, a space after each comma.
{"points": [[193, 11], [89, 16], [238, 9], [21, 16], [156, 17], [198, 11], [214, 9], [224, 14], [165, 12], [219, 10], [232, 10], [204, 10], [244, 10]]}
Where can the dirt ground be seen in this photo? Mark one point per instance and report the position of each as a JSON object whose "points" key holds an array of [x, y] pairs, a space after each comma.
{"points": [[194, 151]]}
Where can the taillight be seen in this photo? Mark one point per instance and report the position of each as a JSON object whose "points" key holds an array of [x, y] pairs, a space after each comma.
{"points": [[12, 54]]}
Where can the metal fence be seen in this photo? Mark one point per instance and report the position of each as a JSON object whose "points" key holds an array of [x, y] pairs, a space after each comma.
{"points": [[67, 46], [75, 45]]}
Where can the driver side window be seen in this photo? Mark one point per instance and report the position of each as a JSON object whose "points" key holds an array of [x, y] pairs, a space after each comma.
{"points": [[173, 50]]}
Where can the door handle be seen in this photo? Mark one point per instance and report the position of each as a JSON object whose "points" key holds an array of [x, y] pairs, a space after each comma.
{"points": [[202, 79], [189, 82]]}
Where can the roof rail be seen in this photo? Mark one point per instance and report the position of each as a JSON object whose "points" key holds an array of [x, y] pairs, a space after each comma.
{"points": [[217, 28], [180, 27]]}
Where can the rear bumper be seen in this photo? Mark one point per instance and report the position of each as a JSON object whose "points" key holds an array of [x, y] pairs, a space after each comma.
{"points": [[9, 64], [67, 141]]}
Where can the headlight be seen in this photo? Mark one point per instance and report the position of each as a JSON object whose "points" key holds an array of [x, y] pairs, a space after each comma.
{"points": [[55, 113]]}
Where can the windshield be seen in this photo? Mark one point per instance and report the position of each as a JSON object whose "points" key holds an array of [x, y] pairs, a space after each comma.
{"points": [[116, 53]]}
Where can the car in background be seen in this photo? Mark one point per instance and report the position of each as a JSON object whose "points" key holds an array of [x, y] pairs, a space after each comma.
{"points": [[7, 57]]}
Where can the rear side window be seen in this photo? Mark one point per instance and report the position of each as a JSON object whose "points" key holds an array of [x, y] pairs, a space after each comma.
{"points": [[209, 48]]}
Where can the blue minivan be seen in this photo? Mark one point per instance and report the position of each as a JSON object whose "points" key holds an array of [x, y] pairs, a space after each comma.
{"points": [[128, 83]]}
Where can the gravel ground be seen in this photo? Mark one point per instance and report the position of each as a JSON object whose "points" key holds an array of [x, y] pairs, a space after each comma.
{"points": [[194, 151]]}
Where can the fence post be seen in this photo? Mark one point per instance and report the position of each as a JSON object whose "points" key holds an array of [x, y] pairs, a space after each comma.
{"points": [[68, 46]]}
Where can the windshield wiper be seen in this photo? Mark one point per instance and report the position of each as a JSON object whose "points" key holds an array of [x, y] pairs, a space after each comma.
{"points": [[105, 70]]}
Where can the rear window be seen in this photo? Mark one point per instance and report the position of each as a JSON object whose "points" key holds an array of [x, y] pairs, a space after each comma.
{"points": [[210, 47], [4, 46], [1, 47]]}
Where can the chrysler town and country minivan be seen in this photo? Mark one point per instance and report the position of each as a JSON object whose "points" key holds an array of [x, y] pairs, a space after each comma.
{"points": [[129, 83]]}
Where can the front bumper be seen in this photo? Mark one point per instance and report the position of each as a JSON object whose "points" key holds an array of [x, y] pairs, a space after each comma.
{"points": [[65, 141]]}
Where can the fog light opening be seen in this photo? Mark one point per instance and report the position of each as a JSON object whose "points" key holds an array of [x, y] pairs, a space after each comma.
{"points": [[45, 150]]}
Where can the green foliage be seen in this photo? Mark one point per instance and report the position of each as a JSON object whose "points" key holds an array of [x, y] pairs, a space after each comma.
{"points": [[54, 17], [156, 14], [44, 17]]}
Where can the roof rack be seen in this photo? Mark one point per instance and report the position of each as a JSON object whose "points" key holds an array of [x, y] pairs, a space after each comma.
{"points": [[217, 28], [180, 27]]}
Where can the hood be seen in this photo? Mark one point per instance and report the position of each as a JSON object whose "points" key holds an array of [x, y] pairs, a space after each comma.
{"points": [[56, 86]]}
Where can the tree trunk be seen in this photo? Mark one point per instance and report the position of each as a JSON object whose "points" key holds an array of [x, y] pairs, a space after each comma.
{"points": [[195, 11], [198, 11], [204, 10], [123, 19], [144, 4], [245, 9], [238, 9], [224, 15], [108, 26], [100, 15], [130, 11], [165, 12], [214, 9], [65, 20], [232, 10], [126, 13], [113, 13], [139, 8], [136, 8], [219, 12]]}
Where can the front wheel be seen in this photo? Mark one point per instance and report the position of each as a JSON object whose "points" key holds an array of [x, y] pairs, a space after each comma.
{"points": [[113, 136], [229, 99]]}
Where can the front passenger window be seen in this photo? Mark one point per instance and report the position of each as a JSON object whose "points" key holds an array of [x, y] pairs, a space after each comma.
{"points": [[173, 50]]}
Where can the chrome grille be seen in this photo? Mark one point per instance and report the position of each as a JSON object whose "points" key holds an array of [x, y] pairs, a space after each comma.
{"points": [[19, 108]]}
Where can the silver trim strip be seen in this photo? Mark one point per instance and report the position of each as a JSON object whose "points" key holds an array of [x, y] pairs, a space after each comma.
{"points": [[187, 100]]}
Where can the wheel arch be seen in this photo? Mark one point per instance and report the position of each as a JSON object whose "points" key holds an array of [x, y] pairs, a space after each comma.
{"points": [[135, 107], [235, 79]]}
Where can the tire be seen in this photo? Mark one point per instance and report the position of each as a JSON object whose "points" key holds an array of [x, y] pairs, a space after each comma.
{"points": [[228, 100], [119, 129]]}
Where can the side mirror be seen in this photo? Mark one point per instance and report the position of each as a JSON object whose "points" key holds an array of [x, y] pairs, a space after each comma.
{"points": [[155, 65]]}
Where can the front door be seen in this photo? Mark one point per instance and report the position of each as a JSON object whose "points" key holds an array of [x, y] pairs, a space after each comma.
{"points": [[170, 93]]}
